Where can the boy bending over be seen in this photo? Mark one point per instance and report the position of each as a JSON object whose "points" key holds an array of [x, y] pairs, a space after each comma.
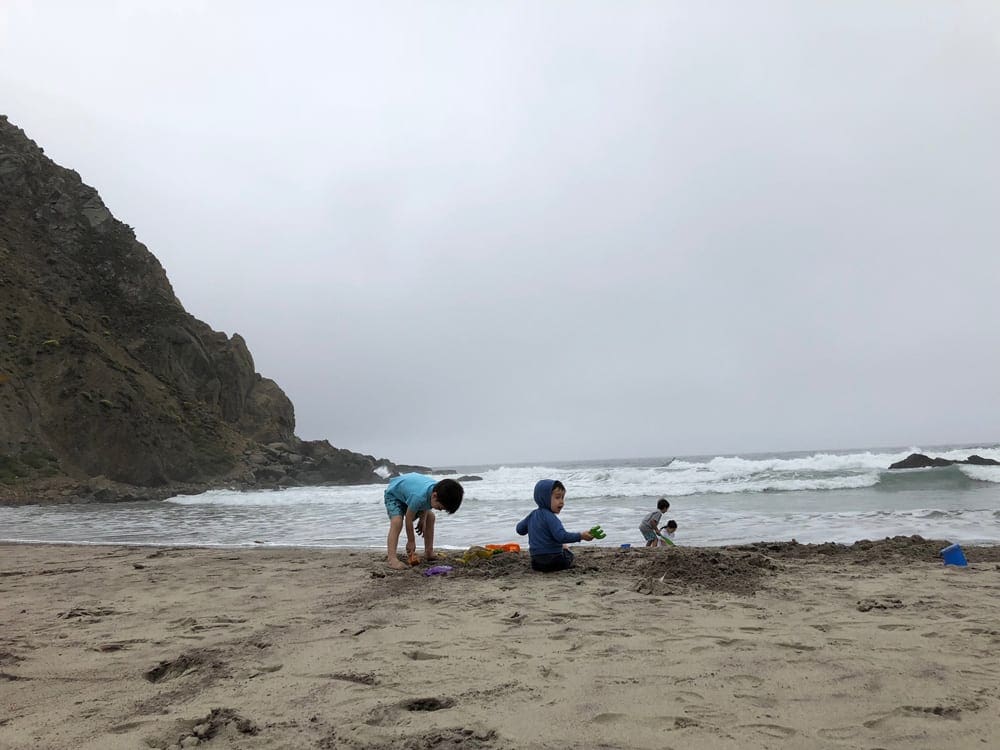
{"points": [[417, 496]]}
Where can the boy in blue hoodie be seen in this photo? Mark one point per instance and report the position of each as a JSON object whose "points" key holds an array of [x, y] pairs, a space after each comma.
{"points": [[546, 535]]}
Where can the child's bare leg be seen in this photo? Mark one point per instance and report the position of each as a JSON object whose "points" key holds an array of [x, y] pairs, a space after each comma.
{"points": [[392, 541], [429, 535]]}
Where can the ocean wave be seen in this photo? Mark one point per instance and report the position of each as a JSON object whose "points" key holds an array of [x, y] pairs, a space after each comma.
{"points": [[352, 495], [981, 473], [725, 475], [955, 477]]}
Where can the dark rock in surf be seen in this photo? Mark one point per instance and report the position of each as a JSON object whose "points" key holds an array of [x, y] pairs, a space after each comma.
{"points": [[920, 461], [980, 461], [415, 469]]}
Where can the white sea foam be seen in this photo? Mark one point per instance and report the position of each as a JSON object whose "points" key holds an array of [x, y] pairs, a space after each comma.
{"points": [[341, 496], [982, 473]]}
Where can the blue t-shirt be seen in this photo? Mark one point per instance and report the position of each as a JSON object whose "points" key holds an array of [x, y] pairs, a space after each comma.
{"points": [[412, 490]]}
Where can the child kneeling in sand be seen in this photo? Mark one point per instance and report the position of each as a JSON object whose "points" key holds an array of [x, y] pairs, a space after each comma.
{"points": [[410, 496], [666, 535], [546, 535]]}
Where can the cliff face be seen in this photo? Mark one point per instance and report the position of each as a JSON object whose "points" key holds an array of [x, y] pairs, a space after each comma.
{"points": [[103, 372]]}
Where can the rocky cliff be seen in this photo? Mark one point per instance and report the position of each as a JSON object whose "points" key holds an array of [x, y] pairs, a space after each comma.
{"points": [[108, 387]]}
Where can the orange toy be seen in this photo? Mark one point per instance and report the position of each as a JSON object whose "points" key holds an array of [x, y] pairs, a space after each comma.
{"points": [[414, 558], [509, 547]]}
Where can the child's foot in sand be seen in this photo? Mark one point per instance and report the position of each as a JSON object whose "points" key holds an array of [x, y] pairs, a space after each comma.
{"points": [[396, 564]]}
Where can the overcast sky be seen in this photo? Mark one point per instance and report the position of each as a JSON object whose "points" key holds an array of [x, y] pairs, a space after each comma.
{"points": [[462, 232]]}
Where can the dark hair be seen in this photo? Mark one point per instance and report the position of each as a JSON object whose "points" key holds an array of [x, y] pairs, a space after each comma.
{"points": [[449, 494], [663, 504], [557, 485], [671, 524]]}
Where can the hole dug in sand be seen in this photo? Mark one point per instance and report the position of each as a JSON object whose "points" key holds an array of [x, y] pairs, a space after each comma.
{"points": [[192, 661], [427, 704], [222, 722]]}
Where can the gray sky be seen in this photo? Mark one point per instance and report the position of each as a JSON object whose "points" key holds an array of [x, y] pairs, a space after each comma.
{"points": [[460, 232]]}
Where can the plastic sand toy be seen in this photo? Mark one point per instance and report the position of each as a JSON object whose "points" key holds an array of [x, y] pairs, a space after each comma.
{"points": [[438, 570], [474, 553], [597, 532], [509, 547]]}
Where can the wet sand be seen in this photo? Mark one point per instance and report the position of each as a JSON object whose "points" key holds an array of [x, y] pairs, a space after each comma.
{"points": [[877, 645]]}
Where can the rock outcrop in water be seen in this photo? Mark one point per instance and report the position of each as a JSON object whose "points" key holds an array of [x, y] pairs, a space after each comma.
{"points": [[109, 389], [920, 461]]}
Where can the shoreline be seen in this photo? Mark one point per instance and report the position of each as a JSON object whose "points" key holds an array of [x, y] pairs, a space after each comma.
{"points": [[753, 646], [778, 547]]}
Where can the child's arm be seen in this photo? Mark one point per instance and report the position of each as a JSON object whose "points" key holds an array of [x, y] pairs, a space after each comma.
{"points": [[559, 533]]}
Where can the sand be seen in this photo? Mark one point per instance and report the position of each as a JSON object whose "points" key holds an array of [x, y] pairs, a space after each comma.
{"points": [[762, 646]]}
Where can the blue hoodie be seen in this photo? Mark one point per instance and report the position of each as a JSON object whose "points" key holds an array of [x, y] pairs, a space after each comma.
{"points": [[545, 531]]}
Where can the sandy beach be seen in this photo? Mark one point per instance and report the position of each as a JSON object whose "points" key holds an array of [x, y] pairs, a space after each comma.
{"points": [[877, 645]]}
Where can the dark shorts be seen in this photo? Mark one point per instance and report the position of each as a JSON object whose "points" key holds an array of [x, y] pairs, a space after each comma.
{"points": [[551, 563], [394, 507]]}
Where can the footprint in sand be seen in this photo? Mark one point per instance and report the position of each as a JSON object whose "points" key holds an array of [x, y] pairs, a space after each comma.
{"points": [[609, 718], [839, 733], [422, 655], [566, 630], [368, 678], [708, 713], [746, 680], [776, 731], [126, 727], [796, 646], [214, 623], [759, 701], [911, 712], [688, 696], [117, 645]]}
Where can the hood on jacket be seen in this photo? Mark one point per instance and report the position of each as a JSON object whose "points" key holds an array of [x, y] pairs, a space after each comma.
{"points": [[543, 493]]}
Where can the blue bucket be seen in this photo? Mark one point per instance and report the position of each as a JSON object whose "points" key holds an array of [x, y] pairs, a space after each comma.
{"points": [[953, 555], [626, 546]]}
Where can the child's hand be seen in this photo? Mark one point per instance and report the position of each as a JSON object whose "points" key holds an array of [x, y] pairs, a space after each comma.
{"points": [[411, 547], [586, 536]]}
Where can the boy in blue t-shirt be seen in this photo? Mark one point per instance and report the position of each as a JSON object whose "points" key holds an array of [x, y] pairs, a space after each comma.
{"points": [[546, 534], [411, 496]]}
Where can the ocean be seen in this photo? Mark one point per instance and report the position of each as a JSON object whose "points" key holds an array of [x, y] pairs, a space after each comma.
{"points": [[839, 496]]}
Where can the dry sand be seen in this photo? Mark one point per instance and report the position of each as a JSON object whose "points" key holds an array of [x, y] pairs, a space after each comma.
{"points": [[763, 646]]}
